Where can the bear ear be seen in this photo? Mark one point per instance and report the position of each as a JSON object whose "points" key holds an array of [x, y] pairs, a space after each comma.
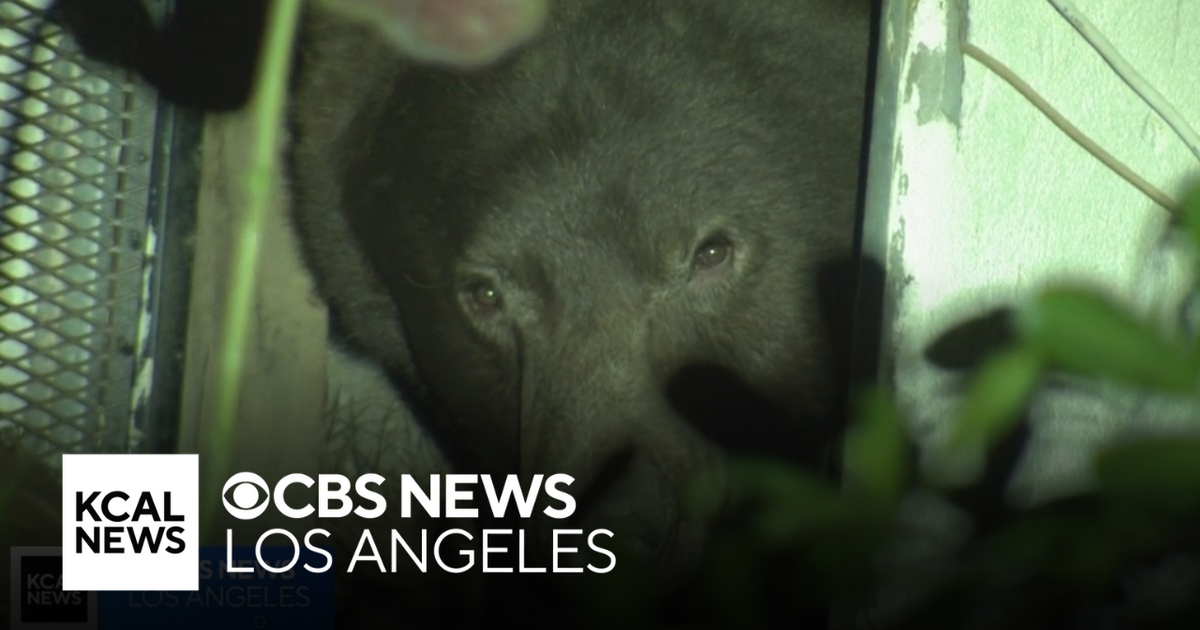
{"points": [[204, 58], [965, 346]]}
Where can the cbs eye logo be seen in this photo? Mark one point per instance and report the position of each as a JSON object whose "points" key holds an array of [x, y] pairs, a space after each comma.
{"points": [[246, 496]]}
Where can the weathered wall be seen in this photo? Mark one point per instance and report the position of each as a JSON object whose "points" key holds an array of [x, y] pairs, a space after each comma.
{"points": [[987, 200], [976, 199]]}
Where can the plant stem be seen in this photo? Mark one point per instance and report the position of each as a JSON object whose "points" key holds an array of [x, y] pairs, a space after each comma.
{"points": [[267, 107]]}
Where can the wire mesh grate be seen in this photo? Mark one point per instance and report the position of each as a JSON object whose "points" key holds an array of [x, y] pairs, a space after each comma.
{"points": [[76, 142]]}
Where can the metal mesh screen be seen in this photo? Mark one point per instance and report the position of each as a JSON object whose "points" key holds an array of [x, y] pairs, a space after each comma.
{"points": [[76, 149]]}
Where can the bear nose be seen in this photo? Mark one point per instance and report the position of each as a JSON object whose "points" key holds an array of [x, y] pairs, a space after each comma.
{"points": [[634, 534], [631, 501]]}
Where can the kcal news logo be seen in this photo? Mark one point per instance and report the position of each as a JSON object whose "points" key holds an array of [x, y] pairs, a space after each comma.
{"points": [[130, 522]]}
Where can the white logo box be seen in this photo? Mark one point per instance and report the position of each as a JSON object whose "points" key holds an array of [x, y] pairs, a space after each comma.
{"points": [[85, 570]]}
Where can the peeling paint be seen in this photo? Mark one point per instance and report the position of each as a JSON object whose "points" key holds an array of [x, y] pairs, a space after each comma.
{"points": [[975, 201], [143, 381], [934, 76], [988, 202]]}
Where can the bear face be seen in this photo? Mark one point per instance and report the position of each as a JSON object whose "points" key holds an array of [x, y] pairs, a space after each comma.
{"points": [[597, 257]]}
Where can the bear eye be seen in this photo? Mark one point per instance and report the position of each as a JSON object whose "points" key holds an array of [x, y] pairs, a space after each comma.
{"points": [[713, 253], [484, 298]]}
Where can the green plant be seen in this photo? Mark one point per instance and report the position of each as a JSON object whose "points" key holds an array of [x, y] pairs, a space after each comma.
{"points": [[1032, 568]]}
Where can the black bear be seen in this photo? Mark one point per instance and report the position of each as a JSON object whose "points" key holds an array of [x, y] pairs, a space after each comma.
{"points": [[598, 256]]}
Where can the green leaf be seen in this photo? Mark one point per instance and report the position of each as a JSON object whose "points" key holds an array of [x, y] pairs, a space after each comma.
{"points": [[1079, 331], [1190, 215], [791, 502], [733, 577], [1019, 550], [876, 455], [623, 595], [1052, 549], [704, 496], [1191, 218], [1089, 558], [1159, 474], [997, 394]]}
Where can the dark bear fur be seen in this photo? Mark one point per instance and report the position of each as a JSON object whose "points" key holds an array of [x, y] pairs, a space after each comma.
{"points": [[600, 256]]}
